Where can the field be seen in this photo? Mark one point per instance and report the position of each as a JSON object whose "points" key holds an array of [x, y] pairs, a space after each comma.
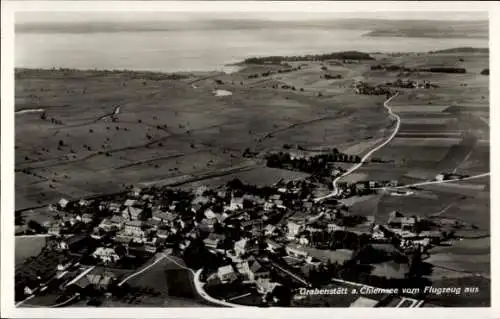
{"points": [[442, 130], [72, 145], [171, 281], [28, 247]]}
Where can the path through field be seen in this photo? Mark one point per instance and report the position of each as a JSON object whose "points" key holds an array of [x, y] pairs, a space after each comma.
{"points": [[370, 153]]}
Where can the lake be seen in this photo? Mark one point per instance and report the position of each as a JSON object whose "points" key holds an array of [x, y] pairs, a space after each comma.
{"points": [[203, 50]]}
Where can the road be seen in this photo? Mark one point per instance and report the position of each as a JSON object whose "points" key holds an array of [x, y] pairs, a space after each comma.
{"points": [[367, 155], [199, 289], [196, 280], [33, 236], [158, 259], [437, 182]]}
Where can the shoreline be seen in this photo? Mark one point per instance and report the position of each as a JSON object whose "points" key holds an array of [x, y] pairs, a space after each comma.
{"points": [[242, 64]]}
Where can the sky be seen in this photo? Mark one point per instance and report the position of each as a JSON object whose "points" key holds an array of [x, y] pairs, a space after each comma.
{"points": [[46, 17]]}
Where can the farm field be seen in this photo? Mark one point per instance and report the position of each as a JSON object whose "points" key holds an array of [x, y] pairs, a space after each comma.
{"points": [[165, 128], [165, 277], [170, 128], [28, 246], [258, 176]]}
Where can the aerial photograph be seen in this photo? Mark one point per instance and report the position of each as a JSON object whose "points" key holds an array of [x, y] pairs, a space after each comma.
{"points": [[252, 159]]}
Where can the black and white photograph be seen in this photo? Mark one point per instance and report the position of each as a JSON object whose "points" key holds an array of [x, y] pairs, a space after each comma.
{"points": [[250, 158]]}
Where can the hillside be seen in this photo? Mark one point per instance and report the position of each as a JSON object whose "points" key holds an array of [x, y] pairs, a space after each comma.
{"points": [[462, 50]]}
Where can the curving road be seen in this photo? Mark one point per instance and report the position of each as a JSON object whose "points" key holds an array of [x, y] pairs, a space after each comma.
{"points": [[335, 191], [199, 289], [196, 280]]}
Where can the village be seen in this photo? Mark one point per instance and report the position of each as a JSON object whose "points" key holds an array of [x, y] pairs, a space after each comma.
{"points": [[250, 245]]}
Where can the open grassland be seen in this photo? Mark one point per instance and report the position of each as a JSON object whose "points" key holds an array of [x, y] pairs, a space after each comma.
{"points": [[172, 129], [26, 247], [163, 128]]}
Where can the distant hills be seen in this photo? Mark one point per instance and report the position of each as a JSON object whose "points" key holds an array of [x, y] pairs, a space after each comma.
{"points": [[430, 29], [463, 50], [373, 27]]}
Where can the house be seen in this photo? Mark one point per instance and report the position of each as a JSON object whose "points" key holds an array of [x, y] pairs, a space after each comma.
{"points": [[117, 221], [201, 190], [131, 213], [266, 286], [269, 205], [70, 243], [134, 229], [378, 234], [83, 202], [106, 224], [87, 218], [257, 272], [235, 204], [303, 241], [221, 217], [293, 229], [211, 217], [184, 244], [275, 197], [154, 223], [98, 233], [270, 230], [54, 230], [114, 207], [28, 291], [213, 240], [150, 248], [163, 216], [106, 254], [63, 202], [136, 192], [314, 228], [226, 274], [313, 261], [68, 219], [129, 202], [295, 252], [252, 270], [244, 269], [63, 266], [240, 247], [397, 220], [360, 186], [253, 223], [282, 190], [209, 214], [334, 227], [101, 281], [162, 233]]}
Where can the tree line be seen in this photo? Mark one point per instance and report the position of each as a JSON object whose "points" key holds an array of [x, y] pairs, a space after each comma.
{"points": [[347, 55]]}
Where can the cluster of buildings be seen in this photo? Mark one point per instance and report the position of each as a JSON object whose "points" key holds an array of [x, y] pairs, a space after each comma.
{"points": [[277, 229], [411, 84], [366, 89]]}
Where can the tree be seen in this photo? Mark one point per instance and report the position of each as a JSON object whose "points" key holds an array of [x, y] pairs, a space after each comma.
{"points": [[19, 219], [35, 226], [121, 250], [146, 214]]}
